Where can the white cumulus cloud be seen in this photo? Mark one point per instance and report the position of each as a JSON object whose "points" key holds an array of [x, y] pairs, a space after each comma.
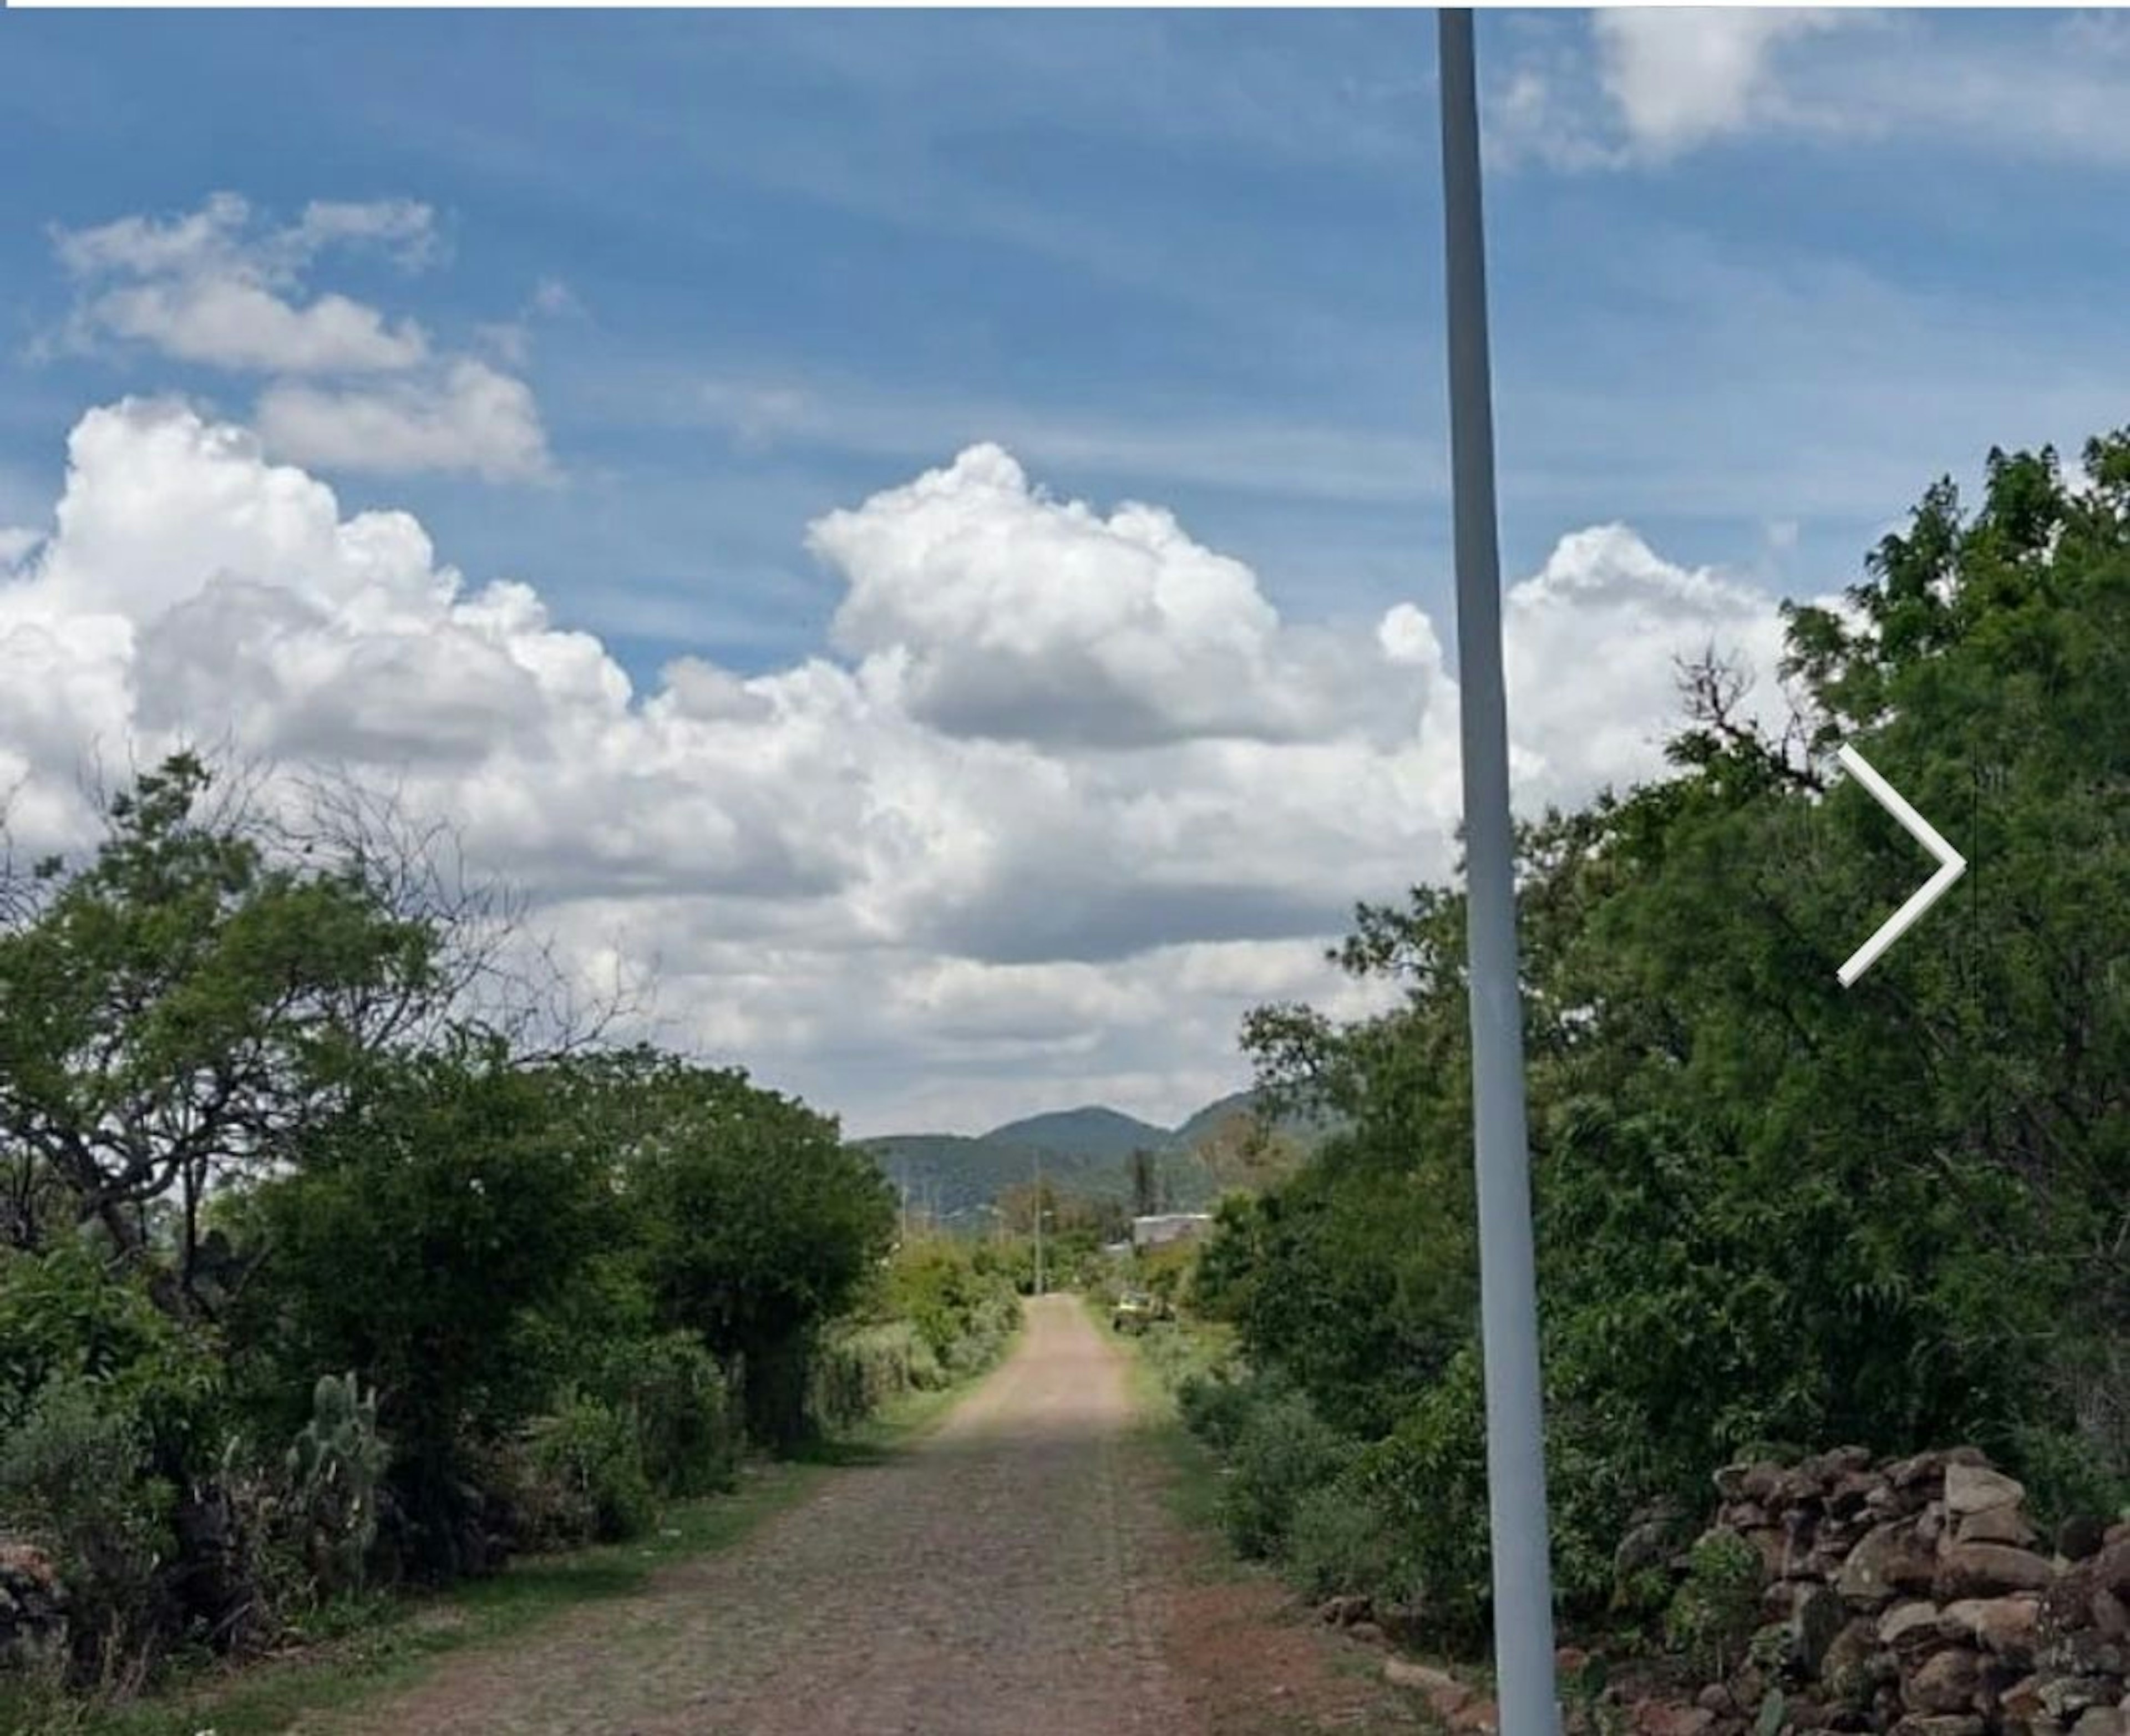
{"points": [[472, 417], [1684, 75], [1017, 618], [923, 879], [349, 388], [213, 287]]}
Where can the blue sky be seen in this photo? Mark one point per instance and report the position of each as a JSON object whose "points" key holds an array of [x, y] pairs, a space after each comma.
{"points": [[966, 800], [1186, 257]]}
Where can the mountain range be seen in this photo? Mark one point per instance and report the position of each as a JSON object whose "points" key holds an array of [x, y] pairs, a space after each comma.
{"points": [[1085, 1151]]}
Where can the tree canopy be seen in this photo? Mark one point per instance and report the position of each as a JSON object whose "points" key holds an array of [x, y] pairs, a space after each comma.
{"points": [[1771, 1210]]}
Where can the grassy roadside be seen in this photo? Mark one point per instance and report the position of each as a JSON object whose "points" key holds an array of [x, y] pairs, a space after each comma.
{"points": [[1157, 1360], [395, 1642], [1229, 1594]]}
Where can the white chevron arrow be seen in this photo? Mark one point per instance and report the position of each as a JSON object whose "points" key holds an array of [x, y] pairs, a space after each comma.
{"points": [[1952, 864]]}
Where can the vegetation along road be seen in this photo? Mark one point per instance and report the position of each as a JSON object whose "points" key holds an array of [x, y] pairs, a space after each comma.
{"points": [[1018, 1571]]}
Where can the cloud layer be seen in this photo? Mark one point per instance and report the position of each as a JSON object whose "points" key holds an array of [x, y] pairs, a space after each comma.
{"points": [[351, 388], [1073, 794], [1651, 83]]}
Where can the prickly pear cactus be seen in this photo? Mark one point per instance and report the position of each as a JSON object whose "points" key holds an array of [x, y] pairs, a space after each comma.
{"points": [[335, 1466]]}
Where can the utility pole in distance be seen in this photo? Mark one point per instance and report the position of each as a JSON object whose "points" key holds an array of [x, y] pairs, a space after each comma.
{"points": [[1038, 1226], [1508, 1278]]}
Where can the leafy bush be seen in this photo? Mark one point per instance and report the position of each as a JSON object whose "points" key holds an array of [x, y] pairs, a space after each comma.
{"points": [[1283, 1450], [1428, 1480], [74, 1478], [455, 1195], [758, 1225], [586, 1461], [1184, 1352], [856, 1370], [1214, 1408], [1342, 1539], [959, 1300], [937, 1311], [65, 1316], [674, 1392], [932, 1285], [1166, 1272], [989, 1326], [1714, 1611]]}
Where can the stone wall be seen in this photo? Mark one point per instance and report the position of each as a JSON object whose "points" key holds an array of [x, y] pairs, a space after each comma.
{"points": [[1911, 1597], [1915, 1596]]}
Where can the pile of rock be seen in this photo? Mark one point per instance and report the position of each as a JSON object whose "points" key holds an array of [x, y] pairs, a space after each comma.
{"points": [[33, 1626], [1916, 1596], [1912, 1596]]}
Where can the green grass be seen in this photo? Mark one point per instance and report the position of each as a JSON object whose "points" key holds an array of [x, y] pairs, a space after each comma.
{"points": [[393, 1643], [1160, 1357]]}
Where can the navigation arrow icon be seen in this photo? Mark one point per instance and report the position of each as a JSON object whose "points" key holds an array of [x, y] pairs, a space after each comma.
{"points": [[1952, 864]]}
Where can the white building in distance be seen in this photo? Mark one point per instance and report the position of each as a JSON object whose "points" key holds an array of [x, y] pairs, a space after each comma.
{"points": [[1159, 1232]]}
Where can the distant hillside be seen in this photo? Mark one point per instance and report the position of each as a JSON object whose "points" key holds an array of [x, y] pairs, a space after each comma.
{"points": [[1209, 1117], [1310, 1131], [1088, 1132], [949, 1174], [1085, 1151]]}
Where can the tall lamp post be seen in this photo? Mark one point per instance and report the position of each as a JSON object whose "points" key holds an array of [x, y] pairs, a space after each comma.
{"points": [[1508, 1283], [1038, 1226]]}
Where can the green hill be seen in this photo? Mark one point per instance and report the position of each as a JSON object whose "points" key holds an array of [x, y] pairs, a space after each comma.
{"points": [[1209, 1117], [1092, 1132], [951, 1174], [1085, 1151]]}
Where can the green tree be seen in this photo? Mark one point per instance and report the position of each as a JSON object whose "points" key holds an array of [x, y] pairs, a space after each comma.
{"points": [[423, 1226], [1772, 1211], [1145, 1182], [172, 1013], [757, 1224]]}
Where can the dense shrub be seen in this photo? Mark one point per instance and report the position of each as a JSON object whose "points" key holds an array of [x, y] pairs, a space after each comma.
{"points": [[1428, 1478], [673, 1391], [1715, 1608], [110, 1413], [1772, 1214], [1214, 1408], [1189, 1355], [587, 1480], [1341, 1539], [857, 1369], [1166, 1273], [1283, 1450], [75, 1477], [447, 1201], [69, 1314], [937, 1311], [959, 1299], [757, 1224]]}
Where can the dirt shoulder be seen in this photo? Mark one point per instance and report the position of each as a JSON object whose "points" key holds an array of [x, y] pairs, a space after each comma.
{"points": [[1017, 1572]]}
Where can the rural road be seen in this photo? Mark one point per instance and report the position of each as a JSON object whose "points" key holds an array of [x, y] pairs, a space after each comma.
{"points": [[1016, 1573]]}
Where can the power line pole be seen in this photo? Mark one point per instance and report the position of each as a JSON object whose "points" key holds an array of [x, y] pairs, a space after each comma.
{"points": [[1038, 1226], [1508, 1281]]}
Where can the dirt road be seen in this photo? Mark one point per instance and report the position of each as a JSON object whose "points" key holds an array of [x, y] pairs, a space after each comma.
{"points": [[1016, 1574]]}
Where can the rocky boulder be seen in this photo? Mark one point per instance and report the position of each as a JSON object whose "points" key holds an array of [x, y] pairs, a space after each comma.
{"points": [[33, 1609]]}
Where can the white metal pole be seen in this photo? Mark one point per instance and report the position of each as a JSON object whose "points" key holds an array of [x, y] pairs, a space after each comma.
{"points": [[1508, 1289]]}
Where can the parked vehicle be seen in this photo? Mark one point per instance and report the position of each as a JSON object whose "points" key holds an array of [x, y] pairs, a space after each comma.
{"points": [[1134, 1309]]}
